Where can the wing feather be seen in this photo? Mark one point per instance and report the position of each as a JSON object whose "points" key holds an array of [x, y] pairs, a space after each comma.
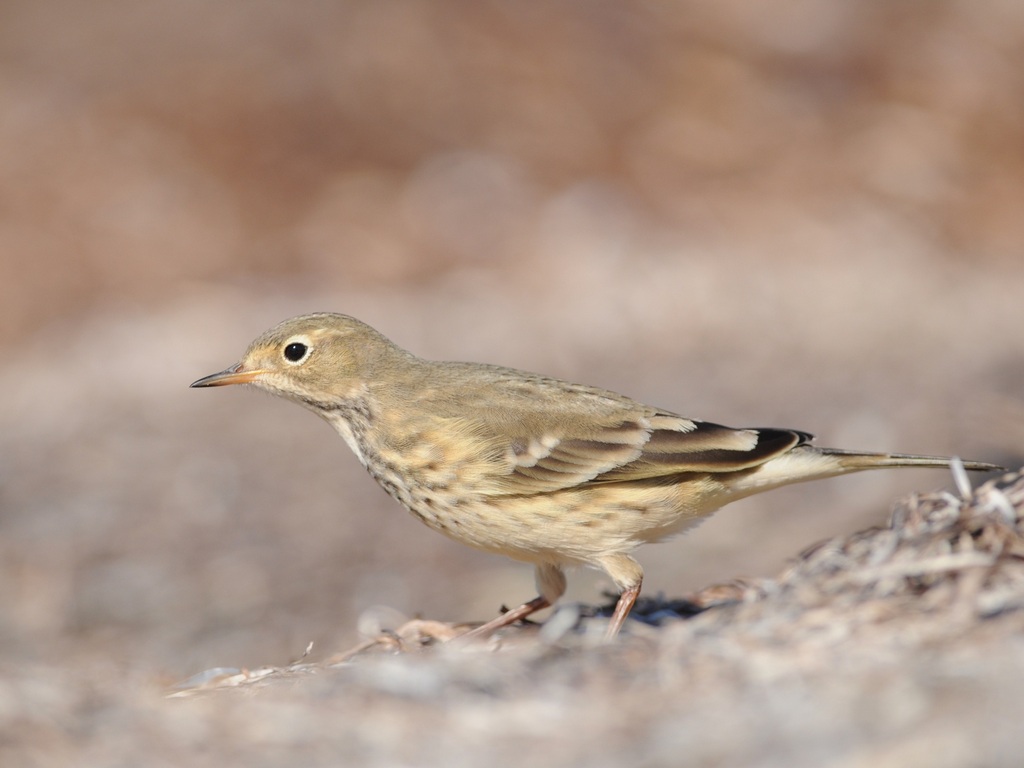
{"points": [[662, 446], [544, 434]]}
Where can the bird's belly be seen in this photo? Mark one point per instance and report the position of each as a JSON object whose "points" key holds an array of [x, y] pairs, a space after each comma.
{"points": [[574, 526]]}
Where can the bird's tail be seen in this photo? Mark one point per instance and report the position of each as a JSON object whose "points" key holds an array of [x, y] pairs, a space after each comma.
{"points": [[852, 461], [807, 462]]}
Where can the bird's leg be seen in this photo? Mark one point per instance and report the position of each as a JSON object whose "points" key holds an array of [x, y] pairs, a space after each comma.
{"points": [[628, 576], [622, 609], [508, 617], [551, 585]]}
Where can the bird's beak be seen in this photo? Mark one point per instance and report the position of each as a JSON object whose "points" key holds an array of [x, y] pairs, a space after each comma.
{"points": [[233, 375]]}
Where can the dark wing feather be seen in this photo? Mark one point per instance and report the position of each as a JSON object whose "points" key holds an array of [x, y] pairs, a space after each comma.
{"points": [[660, 445], [708, 448]]}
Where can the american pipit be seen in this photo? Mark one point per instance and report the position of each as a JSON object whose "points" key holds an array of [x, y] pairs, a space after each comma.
{"points": [[541, 470]]}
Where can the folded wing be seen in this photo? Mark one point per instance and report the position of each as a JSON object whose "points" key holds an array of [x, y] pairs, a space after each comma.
{"points": [[659, 445]]}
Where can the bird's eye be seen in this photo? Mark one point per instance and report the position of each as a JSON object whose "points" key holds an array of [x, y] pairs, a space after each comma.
{"points": [[295, 351]]}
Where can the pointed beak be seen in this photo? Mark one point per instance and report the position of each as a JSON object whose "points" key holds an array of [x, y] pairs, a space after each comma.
{"points": [[233, 375]]}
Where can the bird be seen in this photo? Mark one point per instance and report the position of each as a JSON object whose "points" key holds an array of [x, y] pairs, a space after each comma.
{"points": [[544, 471]]}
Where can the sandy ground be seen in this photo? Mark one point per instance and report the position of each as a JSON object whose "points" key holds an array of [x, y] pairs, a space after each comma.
{"points": [[754, 214]]}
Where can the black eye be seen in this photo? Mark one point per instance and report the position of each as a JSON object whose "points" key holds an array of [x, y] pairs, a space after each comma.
{"points": [[295, 351]]}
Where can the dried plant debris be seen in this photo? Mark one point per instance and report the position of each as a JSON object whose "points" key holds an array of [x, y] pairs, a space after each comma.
{"points": [[943, 568]]}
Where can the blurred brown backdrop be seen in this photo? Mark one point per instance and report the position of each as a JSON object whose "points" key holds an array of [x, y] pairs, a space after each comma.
{"points": [[792, 213]]}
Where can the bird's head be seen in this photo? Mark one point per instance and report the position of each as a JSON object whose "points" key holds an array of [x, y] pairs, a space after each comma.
{"points": [[316, 360]]}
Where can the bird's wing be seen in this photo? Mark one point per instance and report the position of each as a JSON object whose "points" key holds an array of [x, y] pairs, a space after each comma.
{"points": [[635, 448], [543, 435]]}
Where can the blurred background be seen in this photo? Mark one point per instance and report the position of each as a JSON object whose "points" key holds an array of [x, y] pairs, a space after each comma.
{"points": [[787, 213]]}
